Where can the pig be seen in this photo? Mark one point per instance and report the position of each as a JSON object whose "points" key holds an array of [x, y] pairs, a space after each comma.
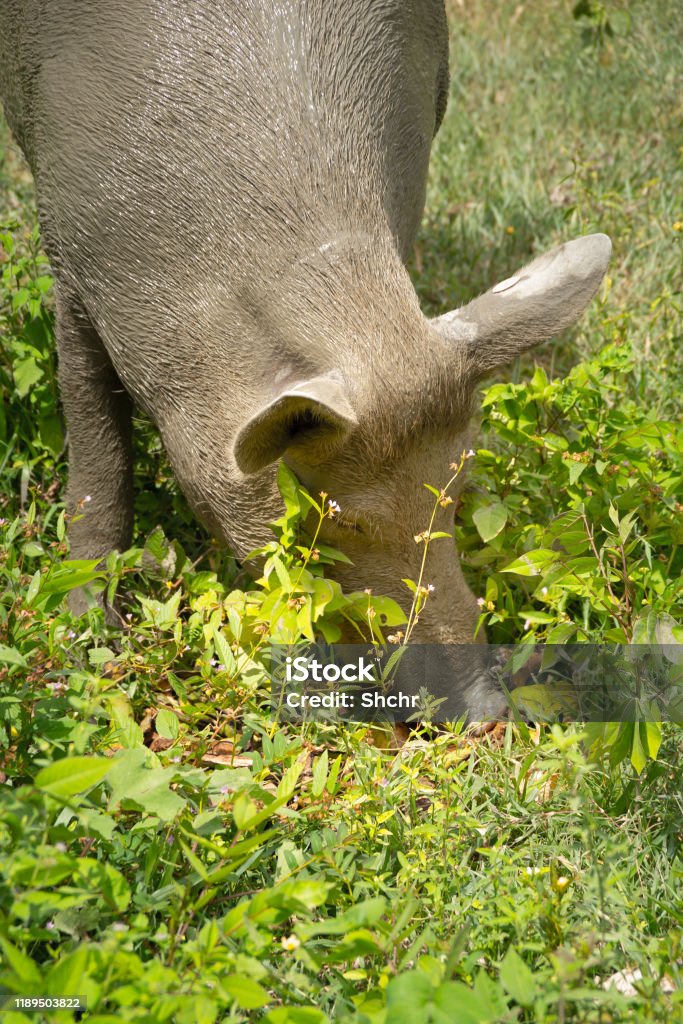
{"points": [[228, 192]]}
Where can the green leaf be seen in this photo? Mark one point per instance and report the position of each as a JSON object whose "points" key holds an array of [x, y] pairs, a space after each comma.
{"points": [[532, 563], [11, 656], [319, 774], [388, 611], [296, 1015], [72, 775], [409, 997], [638, 753], [137, 780], [24, 968], [362, 915], [517, 979], [66, 974], [96, 876], [288, 486], [26, 374], [575, 470], [161, 613], [651, 738], [224, 651], [457, 1002], [246, 992], [561, 634], [167, 724], [490, 520], [71, 574]]}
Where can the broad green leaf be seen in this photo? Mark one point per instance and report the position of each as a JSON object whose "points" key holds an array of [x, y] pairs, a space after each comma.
{"points": [[66, 975], [167, 724], [561, 634], [11, 656], [575, 470], [532, 563], [246, 992], [490, 520], [363, 914], [409, 997], [288, 486], [137, 780], [24, 968], [638, 753], [26, 374], [651, 738], [72, 775], [454, 1001], [94, 875], [517, 979]]}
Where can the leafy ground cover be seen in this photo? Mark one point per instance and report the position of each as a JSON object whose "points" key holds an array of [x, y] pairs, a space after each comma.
{"points": [[170, 852]]}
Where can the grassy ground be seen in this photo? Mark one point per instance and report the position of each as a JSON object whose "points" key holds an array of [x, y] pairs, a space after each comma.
{"points": [[171, 853]]}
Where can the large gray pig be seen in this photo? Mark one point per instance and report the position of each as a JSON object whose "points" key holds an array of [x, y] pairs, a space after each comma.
{"points": [[228, 190]]}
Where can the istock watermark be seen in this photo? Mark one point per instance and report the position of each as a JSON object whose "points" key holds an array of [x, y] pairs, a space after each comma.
{"points": [[363, 670], [444, 682]]}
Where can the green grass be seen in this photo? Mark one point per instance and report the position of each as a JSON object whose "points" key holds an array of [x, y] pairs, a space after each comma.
{"points": [[204, 863]]}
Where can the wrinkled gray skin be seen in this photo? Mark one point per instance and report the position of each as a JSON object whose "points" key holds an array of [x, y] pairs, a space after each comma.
{"points": [[227, 193]]}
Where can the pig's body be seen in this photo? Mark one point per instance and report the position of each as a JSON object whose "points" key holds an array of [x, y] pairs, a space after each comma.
{"points": [[227, 191]]}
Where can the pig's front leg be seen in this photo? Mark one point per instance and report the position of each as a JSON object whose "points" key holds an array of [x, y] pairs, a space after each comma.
{"points": [[98, 419]]}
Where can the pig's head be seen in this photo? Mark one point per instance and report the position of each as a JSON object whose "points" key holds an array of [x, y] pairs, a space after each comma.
{"points": [[373, 440]]}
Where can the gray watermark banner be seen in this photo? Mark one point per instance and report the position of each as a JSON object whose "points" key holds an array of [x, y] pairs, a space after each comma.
{"points": [[445, 682]]}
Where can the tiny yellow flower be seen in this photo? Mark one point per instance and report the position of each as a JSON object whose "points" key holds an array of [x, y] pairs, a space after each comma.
{"points": [[290, 943], [509, 230], [677, 225]]}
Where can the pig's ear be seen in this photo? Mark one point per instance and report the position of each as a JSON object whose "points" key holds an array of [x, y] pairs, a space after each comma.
{"points": [[533, 305], [313, 411]]}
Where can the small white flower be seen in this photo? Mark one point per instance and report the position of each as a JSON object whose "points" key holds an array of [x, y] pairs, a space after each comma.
{"points": [[87, 498], [544, 590], [481, 602], [71, 635], [290, 943], [119, 926], [61, 847], [50, 925], [471, 453], [431, 588], [333, 508], [527, 624]]}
